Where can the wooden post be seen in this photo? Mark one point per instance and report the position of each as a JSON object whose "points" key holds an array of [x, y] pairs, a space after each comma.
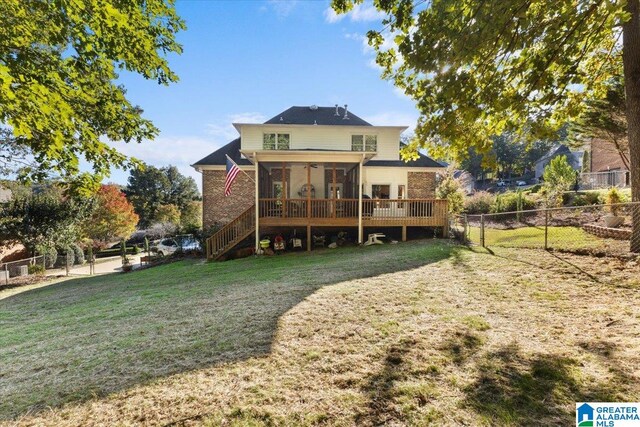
{"points": [[404, 233], [308, 238], [284, 189], [255, 159], [334, 190], [308, 192], [546, 229], [360, 230], [482, 230]]}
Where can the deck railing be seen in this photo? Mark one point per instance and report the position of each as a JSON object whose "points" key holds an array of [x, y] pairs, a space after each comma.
{"points": [[374, 209]]}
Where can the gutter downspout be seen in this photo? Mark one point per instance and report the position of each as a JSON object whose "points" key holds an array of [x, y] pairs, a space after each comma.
{"points": [[360, 230], [257, 202]]}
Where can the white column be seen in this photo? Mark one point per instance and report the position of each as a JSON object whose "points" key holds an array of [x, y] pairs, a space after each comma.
{"points": [[255, 162], [360, 230]]}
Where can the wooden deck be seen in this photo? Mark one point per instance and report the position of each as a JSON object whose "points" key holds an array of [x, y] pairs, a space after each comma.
{"points": [[344, 212]]}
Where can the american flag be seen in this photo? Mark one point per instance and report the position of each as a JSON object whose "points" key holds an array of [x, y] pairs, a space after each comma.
{"points": [[232, 172]]}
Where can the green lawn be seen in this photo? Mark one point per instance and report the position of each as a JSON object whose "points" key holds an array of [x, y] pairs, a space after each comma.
{"points": [[419, 333], [569, 238]]}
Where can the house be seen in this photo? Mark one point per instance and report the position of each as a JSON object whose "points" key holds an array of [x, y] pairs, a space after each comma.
{"points": [[466, 180], [316, 167], [5, 194], [607, 167], [574, 158]]}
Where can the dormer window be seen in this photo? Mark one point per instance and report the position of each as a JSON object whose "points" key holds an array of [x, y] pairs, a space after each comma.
{"points": [[275, 141], [364, 143]]}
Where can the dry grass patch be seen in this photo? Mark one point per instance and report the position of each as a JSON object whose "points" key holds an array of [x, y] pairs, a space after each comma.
{"points": [[447, 336]]}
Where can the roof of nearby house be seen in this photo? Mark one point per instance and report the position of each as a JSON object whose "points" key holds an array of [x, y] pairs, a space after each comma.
{"points": [[219, 157], [313, 115], [555, 151]]}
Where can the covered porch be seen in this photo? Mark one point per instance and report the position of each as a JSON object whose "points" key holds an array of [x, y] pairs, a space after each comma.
{"points": [[325, 189]]}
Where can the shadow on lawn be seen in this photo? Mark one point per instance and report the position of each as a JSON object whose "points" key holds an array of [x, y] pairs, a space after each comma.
{"points": [[541, 389], [88, 337]]}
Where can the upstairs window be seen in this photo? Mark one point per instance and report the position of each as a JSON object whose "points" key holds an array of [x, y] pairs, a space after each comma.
{"points": [[275, 141], [364, 143]]}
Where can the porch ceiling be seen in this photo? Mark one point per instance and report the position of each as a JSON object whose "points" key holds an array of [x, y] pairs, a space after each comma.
{"points": [[314, 156]]}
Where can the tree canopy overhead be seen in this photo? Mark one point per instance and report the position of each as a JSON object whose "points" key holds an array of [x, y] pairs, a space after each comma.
{"points": [[478, 68], [59, 62]]}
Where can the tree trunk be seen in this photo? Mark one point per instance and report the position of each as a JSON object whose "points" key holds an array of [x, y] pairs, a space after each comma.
{"points": [[631, 59]]}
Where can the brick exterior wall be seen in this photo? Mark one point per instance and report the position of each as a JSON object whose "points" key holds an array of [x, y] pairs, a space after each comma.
{"points": [[216, 208], [421, 185]]}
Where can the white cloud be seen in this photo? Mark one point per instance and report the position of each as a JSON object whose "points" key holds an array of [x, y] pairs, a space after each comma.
{"points": [[364, 12], [282, 8], [225, 132]]}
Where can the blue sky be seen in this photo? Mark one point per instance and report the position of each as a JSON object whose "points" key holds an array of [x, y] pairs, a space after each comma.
{"points": [[249, 60]]}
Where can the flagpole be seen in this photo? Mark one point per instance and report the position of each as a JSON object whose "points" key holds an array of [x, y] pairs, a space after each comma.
{"points": [[239, 168]]}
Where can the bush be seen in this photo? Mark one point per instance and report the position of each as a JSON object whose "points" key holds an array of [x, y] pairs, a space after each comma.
{"points": [[479, 203], [535, 188], [449, 189], [36, 269], [78, 253], [66, 257], [50, 255], [508, 202], [592, 197]]}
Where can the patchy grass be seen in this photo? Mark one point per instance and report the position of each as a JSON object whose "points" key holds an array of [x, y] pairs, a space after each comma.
{"points": [[412, 334], [563, 238]]}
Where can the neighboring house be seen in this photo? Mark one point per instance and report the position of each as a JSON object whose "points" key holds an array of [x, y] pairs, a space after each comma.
{"points": [[607, 166], [574, 158], [5, 194], [305, 167], [466, 180]]}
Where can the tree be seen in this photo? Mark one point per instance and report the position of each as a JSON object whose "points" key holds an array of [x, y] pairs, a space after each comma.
{"points": [[605, 118], [181, 190], [58, 72], [149, 188], [113, 217], [478, 68], [44, 220], [449, 188], [559, 177], [145, 190], [191, 216], [168, 213]]}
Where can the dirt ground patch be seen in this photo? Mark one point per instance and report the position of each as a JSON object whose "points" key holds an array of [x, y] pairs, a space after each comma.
{"points": [[513, 337]]}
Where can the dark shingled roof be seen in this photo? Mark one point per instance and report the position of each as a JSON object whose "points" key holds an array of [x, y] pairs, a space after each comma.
{"points": [[219, 157], [322, 116], [232, 149]]}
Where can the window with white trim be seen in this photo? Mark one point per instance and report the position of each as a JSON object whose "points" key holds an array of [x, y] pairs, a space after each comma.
{"points": [[276, 141], [364, 143]]}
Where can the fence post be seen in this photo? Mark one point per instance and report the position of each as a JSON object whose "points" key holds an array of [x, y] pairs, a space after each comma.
{"points": [[482, 230], [66, 262], [465, 229], [6, 272], [546, 229]]}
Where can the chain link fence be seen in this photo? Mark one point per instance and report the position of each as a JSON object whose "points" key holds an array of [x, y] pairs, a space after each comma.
{"points": [[601, 230]]}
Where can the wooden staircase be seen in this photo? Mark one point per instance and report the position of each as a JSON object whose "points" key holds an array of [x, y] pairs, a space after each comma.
{"points": [[231, 234]]}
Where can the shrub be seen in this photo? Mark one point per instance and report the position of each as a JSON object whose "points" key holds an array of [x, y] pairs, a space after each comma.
{"points": [[536, 188], [50, 255], [66, 257], [449, 189], [592, 197], [36, 269], [479, 203], [511, 202], [78, 253], [613, 197]]}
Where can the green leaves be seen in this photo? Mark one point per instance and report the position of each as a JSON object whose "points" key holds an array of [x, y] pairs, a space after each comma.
{"points": [[478, 68], [58, 65]]}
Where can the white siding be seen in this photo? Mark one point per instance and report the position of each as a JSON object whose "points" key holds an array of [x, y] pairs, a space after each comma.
{"points": [[326, 138], [392, 176]]}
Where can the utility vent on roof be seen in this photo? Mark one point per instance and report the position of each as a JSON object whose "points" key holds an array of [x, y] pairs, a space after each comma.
{"points": [[313, 107]]}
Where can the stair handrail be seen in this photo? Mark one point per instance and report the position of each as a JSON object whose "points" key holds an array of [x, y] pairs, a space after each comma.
{"points": [[227, 236]]}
